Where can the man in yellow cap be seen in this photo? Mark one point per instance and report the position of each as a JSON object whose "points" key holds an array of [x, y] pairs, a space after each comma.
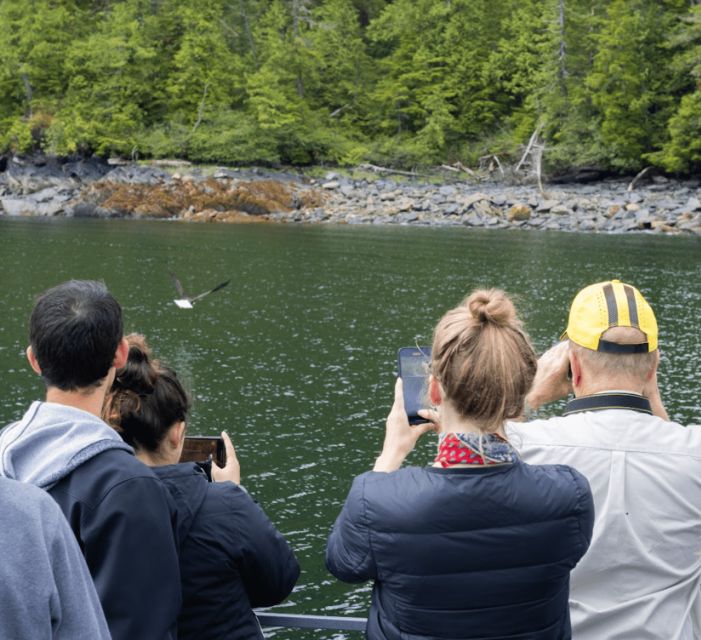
{"points": [[641, 577]]}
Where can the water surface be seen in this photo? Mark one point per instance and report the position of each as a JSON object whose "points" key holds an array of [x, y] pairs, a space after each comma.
{"points": [[296, 357]]}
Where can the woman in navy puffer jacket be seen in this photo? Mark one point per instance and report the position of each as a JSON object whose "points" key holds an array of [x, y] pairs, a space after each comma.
{"points": [[479, 544], [232, 558]]}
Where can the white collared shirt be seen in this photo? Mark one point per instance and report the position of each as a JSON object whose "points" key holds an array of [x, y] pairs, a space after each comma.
{"points": [[641, 577]]}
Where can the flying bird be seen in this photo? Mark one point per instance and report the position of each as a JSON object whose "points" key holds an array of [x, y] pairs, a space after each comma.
{"points": [[185, 301]]}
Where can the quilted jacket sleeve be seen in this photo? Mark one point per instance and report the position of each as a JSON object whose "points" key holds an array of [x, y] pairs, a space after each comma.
{"points": [[349, 552]]}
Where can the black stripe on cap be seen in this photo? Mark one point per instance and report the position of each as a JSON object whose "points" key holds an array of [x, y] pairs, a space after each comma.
{"points": [[611, 305], [614, 347], [632, 306]]}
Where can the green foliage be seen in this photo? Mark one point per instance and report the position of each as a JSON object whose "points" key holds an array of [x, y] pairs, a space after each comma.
{"points": [[682, 151], [612, 83]]}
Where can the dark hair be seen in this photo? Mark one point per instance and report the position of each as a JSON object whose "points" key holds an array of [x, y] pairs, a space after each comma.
{"points": [[146, 398], [483, 358], [74, 331]]}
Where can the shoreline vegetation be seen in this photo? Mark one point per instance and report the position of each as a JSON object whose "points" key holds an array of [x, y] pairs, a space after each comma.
{"points": [[407, 84], [177, 190]]}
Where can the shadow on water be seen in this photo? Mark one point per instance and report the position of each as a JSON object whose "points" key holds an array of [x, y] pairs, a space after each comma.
{"points": [[296, 357]]}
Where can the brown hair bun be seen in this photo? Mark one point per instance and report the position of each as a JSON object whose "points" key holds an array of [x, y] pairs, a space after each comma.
{"points": [[146, 398], [483, 359], [492, 306]]}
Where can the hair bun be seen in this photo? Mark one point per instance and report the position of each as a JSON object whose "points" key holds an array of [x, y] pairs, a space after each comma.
{"points": [[492, 306], [139, 372]]}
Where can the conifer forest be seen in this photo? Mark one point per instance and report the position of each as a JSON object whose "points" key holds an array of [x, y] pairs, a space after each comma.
{"points": [[612, 84]]}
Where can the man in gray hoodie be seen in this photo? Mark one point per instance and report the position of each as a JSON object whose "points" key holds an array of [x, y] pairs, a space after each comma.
{"points": [[46, 592], [118, 510]]}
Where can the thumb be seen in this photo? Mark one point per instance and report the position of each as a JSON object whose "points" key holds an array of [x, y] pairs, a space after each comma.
{"points": [[425, 427], [228, 446]]}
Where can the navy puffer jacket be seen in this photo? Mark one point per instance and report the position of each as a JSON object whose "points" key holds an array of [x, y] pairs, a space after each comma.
{"points": [[481, 552], [232, 558]]}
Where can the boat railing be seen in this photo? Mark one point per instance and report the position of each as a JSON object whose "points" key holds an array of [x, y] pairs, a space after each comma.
{"points": [[303, 621]]}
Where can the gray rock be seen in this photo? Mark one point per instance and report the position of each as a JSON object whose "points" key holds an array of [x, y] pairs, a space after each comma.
{"points": [[136, 174], [546, 205], [16, 206], [347, 190], [560, 210], [693, 204], [85, 170], [451, 209], [447, 190], [665, 203], [410, 216], [85, 210], [331, 185], [472, 198]]}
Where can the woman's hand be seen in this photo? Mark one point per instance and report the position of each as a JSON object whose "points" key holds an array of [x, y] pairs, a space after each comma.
{"points": [[231, 471], [400, 436]]}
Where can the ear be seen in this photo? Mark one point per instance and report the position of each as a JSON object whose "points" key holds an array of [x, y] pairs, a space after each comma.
{"points": [[435, 392], [176, 434], [576, 367], [653, 369], [33, 362], [121, 355]]}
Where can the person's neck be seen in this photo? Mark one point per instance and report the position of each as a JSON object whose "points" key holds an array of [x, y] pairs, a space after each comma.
{"points": [[90, 400], [625, 386], [452, 422], [154, 459]]}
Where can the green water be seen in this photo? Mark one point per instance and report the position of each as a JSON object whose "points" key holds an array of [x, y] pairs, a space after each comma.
{"points": [[296, 357]]}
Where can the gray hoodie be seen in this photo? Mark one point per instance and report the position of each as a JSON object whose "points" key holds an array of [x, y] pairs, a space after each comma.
{"points": [[46, 592], [51, 440]]}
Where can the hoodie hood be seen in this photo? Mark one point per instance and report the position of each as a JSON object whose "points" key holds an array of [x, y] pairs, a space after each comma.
{"points": [[187, 483], [52, 440]]}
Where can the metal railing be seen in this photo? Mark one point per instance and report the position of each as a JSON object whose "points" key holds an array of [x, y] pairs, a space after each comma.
{"points": [[300, 621]]}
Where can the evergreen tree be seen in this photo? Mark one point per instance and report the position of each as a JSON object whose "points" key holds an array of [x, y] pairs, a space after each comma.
{"points": [[34, 38], [682, 152], [628, 80], [113, 78]]}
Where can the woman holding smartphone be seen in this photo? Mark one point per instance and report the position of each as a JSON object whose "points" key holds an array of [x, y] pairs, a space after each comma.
{"points": [[477, 544], [231, 556]]}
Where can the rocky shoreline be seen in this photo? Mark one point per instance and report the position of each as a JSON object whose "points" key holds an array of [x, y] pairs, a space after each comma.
{"points": [[90, 188]]}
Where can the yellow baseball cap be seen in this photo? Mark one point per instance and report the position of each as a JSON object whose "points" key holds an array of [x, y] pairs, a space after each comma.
{"points": [[603, 305]]}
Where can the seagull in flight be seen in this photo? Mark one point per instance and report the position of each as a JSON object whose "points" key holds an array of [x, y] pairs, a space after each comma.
{"points": [[185, 301]]}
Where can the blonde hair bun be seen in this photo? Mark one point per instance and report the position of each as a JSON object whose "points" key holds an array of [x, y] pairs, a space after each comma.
{"points": [[492, 306]]}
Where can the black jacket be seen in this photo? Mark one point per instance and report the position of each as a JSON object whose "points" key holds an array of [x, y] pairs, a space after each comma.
{"points": [[123, 520], [477, 552], [232, 558]]}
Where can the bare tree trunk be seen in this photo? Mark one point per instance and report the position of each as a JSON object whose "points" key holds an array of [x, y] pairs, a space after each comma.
{"points": [[563, 50], [28, 92], [297, 7], [200, 109], [249, 35]]}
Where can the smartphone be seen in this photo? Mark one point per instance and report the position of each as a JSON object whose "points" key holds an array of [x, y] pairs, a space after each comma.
{"points": [[203, 449], [414, 365]]}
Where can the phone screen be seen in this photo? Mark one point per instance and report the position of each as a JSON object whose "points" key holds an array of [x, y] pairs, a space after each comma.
{"points": [[204, 448], [414, 363]]}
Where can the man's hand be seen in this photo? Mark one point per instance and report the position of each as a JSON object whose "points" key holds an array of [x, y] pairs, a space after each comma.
{"points": [[400, 436], [551, 381], [231, 471]]}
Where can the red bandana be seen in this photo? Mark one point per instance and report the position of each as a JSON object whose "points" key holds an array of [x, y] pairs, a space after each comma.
{"points": [[452, 450]]}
